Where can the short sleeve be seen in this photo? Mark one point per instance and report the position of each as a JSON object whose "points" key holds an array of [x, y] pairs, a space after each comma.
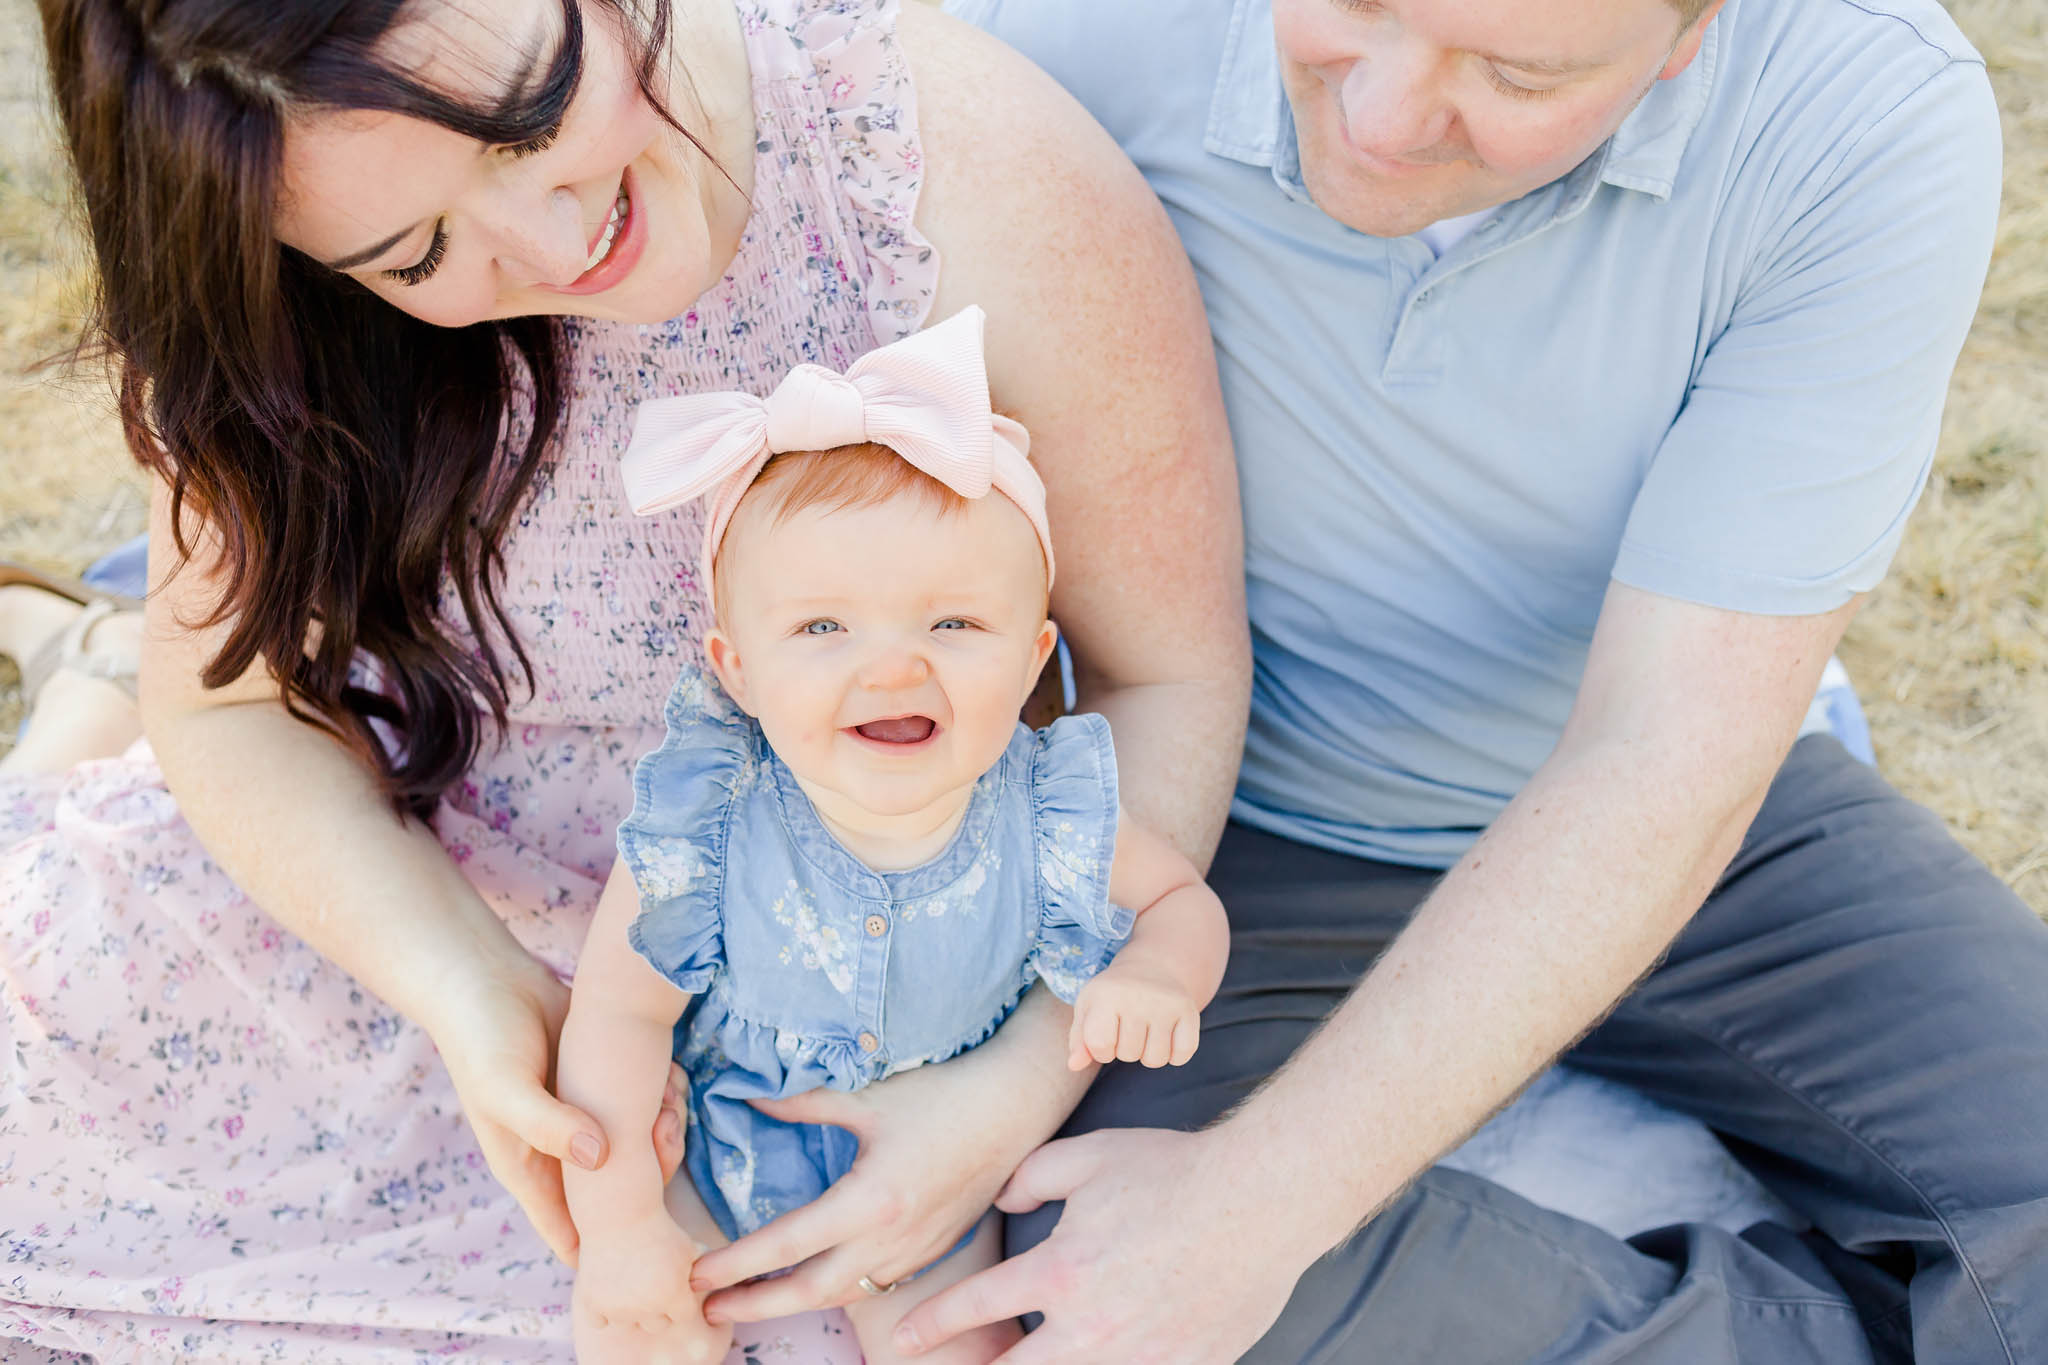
{"points": [[1784, 484], [674, 842], [871, 149], [1074, 816]]}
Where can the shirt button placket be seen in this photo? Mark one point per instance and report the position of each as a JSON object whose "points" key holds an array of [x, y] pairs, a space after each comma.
{"points": [[875, 930]]}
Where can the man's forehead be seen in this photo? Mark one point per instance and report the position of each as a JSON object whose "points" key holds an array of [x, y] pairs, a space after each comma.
{"points": [[1552, 36]]}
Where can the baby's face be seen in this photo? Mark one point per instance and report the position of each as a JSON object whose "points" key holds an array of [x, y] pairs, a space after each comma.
{"points": [[884, 650]]}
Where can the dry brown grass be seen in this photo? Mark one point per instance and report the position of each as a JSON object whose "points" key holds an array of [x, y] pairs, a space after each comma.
{"points": [[1951, 652], [1949, 655]]}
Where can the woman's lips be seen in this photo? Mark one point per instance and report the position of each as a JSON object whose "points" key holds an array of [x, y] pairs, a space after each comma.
{"points": [[627, 244]]}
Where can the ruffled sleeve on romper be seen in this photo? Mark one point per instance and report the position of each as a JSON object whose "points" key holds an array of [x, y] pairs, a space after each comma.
{"points": [[1073, 815], [674, 841]]}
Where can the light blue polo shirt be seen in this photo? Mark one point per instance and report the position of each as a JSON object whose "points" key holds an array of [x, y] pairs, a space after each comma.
{"points": [[1709, 363]]}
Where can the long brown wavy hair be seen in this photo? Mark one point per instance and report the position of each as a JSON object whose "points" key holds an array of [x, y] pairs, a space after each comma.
{"points": [[342, 451]]}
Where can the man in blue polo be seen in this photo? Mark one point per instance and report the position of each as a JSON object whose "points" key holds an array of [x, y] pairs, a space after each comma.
{"points": [[1584, 359]]}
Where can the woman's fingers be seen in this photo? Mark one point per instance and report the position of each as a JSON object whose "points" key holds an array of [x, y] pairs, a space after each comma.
{"points": [[547, 1124], [1052, 1172], [821, 1282], [795, 1237], [536, 1182], [833, 1108], [669, 1128]]}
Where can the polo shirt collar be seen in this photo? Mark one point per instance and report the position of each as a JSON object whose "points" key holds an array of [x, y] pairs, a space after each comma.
{"points": [[1249, 119]]}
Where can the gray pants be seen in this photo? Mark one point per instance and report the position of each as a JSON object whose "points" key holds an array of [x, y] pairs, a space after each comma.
{"points": [[1860, 1011]]}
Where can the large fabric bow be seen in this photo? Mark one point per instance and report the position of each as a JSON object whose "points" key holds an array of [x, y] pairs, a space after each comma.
{"points": [[925, 397]]}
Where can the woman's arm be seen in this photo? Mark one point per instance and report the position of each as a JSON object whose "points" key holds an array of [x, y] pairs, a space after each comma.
{"points": [[1097, 342], [301, 826]]}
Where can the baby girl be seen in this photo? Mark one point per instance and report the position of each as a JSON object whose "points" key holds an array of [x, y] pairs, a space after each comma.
{"points": [[852, 859]]}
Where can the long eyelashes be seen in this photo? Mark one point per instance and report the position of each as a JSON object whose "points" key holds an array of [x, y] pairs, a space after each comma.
{"points": [[423, 269], [534, 145], [420, 271]]}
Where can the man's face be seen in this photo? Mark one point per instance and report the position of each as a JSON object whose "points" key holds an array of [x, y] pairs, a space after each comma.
{"points": [[1412, 111]]}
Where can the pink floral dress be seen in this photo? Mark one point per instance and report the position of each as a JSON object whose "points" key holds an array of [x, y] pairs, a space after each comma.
{"points": [[214, 1145]]}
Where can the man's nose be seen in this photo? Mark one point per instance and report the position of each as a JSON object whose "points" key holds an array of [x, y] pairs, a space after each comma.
{"points": [[1393, 100], [541, 237]]}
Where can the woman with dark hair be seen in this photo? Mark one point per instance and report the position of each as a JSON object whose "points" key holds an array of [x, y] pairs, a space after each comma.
{"points": [[382, 282]]}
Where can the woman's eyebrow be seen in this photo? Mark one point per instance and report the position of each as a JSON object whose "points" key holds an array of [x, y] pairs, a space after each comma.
{"points": [[370, 253]]}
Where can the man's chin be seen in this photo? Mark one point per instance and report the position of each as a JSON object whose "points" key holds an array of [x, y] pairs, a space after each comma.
{"points": [[1365, 204]]}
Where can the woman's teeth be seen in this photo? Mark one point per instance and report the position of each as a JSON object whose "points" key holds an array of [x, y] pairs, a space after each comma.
{"points": [[611, 230]]}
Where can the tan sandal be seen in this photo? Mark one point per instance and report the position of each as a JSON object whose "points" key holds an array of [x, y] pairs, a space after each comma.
{"points": [[66, 650]]}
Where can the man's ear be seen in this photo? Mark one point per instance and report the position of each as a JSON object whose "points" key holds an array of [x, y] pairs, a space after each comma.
{"points": [[1689, 42], [725, 662]]}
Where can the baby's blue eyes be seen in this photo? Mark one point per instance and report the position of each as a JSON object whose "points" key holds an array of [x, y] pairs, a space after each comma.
{"points": [[822, 627]]}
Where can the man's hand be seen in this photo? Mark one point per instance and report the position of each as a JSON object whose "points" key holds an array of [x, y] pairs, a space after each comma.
{"points": [[1165, 1255], [1133, 1014]]}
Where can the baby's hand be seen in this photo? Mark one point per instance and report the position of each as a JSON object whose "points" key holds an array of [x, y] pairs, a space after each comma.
{"points": [[633, 1304], [1131, 1013]]}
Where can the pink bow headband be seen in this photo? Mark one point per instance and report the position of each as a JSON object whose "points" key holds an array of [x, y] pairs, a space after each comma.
{"points": [[925, 397]]}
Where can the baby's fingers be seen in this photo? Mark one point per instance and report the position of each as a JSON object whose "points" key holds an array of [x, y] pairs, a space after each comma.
{"points": [[1158, 1044], [1099, 1033], [1187, 1034], [1130, 1038]]}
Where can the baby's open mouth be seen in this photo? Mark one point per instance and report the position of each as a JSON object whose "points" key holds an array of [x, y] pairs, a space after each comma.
{"points": [[898, 730]]}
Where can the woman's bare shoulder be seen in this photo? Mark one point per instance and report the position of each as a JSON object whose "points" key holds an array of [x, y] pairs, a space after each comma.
{"points": [[1019, 177]]}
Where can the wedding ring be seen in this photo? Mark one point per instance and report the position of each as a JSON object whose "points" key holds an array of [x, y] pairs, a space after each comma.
{"points": [[868, 1286]]}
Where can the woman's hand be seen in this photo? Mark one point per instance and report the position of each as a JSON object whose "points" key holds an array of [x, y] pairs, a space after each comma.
{"points": [[936, 1144], [497, 1034]]}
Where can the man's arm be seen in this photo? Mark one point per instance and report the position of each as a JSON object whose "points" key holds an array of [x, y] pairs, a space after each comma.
{"points": [[1682, 719]]}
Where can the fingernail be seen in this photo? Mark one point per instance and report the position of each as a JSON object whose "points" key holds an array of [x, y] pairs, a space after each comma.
{"points": [[906, 1338], [716, 1318], [583, 1150]]}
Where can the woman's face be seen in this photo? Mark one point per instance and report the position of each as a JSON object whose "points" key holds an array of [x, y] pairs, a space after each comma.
{"points": [[615, 215]]}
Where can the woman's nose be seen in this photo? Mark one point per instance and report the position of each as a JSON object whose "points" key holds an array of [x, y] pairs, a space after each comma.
{"points": [[1393, 107], [541, 239]]}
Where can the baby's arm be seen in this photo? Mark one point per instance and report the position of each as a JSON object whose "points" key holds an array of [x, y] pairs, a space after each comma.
{"points": [[1145, 1006], [633, 1266]]}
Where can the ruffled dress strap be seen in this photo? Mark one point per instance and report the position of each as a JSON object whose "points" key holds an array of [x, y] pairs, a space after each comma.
{"points": [[674, 842], [1073, 819], [844, 60]]}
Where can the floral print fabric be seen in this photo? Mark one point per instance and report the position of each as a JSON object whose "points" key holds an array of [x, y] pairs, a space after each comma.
{"points": [[215, 1146]]}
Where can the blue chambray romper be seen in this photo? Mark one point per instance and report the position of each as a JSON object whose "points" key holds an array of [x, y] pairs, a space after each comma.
{"points": [[807, 968]]}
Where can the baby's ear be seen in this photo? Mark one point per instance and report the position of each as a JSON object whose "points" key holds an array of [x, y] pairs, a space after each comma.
{"points": [[1041, 648], [725, 662]]}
